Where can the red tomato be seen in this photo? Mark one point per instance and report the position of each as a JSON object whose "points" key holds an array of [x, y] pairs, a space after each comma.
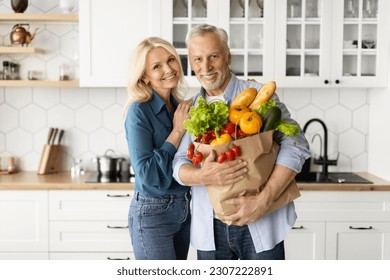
{"points": [[237, 151], [229, 128], [230, 155], [206, 137], [195, 162], [221, 157], [240, 133], [190, 150], [199, 157]]}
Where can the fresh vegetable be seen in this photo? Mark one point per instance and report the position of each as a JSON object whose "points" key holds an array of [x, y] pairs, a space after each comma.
{"points": [[222, 139], [263, 95], [205, 116], [236, 150], [287, 128], [264, 107], [190, 150], [221, 157], [271, 119], [250, 123], [236, 112], [245, 97], [197, 158], [230, 155], [238, 134], [229, 128]]}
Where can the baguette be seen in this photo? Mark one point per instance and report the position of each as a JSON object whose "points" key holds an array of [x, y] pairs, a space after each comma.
{"points": [[263, 95], [245, 97]]}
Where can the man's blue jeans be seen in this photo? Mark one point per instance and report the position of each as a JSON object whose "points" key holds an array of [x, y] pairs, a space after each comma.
{"points": [[160, 226], [235, 242]]}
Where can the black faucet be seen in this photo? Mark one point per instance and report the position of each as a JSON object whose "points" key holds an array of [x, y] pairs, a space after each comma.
{"points": [[323, 160]]}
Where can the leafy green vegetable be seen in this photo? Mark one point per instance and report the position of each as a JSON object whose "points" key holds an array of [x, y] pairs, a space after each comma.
{"points": [[205, 116], [264, 107], [284, 127], [287, 128]]}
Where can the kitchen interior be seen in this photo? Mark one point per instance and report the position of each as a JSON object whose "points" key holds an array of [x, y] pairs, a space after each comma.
{"points": [[64, 168]]}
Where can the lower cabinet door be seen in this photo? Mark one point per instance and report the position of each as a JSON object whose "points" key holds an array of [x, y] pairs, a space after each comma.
{"points": [[23, 221], [89, 236], [93, 256], [358, 240], [306, 241]]}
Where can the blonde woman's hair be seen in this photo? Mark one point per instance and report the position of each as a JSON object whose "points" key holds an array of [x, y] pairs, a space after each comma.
{"points": [[138, 90]]}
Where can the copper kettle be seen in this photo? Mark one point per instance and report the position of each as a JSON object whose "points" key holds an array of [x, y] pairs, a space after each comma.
{"points": [[20, 35]]}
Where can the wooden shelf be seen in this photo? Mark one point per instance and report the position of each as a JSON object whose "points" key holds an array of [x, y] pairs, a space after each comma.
{"points": [[38, 83], [51, 18], [20, 50]]}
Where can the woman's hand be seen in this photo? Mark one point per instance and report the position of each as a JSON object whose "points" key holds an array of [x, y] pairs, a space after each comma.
{"points": [[181, 114]]}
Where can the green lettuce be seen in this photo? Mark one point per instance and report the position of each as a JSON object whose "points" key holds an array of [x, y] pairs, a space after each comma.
{"points": [[205, 116]]}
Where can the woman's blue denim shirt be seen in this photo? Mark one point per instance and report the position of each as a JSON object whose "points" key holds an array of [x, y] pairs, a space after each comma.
{"points": [[147, 126]]}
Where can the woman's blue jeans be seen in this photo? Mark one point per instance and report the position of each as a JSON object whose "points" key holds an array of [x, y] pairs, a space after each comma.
{"points": [[160, 226], [235, 242]]}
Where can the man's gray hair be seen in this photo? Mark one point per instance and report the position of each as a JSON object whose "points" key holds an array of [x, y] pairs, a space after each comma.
{"points": [[202, 29]]}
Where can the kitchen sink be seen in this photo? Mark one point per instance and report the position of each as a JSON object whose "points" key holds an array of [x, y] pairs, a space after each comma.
{"points": [[333, 177]]}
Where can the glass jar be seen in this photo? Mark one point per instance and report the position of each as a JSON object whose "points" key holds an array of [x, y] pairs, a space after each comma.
{"points": [[6, 71]]}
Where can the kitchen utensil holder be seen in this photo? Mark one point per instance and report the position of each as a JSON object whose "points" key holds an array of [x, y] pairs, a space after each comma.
{"points": [[50, 159]]}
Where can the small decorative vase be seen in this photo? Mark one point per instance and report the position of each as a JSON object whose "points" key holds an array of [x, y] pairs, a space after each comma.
{"points": [[19, 6], [67, 6]]}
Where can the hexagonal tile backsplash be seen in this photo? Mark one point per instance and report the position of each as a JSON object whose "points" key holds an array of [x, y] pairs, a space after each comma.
{"points": [[93, 123]]}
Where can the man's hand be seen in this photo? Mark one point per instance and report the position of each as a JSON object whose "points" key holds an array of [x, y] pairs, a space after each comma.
{"points": [[252, 207], [249, 209], [227, 173], [214, 173]]}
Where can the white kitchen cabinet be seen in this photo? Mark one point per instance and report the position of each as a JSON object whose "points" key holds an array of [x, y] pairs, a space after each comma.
{"points": [[24, 224], [341, 225], [109, 31], [306, 241], [85, 222], [331, 43], [250, 29], [358, 240]]}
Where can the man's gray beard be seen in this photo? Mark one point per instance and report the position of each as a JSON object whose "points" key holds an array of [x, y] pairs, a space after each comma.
{"points": [[216, 85]]}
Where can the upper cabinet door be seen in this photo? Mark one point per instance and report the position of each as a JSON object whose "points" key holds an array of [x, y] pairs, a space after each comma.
{"points": [[331, 43], [251, 29], [303, 48], [109, 31], [360, 48], [249, 24]]}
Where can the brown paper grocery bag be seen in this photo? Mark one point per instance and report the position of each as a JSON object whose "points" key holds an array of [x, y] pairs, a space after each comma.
{"points": [[260, 152]]}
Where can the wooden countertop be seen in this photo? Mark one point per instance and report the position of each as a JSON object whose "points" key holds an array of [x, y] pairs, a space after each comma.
{"points": [[59, 181], [63, 181]]}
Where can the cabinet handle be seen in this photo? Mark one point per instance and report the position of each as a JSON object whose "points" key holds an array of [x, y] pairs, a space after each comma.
{"points": [[360, 228], [326, 82], [118, 259], [118, 195], [337, 81], [300, 227], [108, 226]]}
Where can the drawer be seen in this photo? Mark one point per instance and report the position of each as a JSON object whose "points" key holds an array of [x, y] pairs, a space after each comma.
{"points": [[89, 236], [79, 205], [124, 256]]}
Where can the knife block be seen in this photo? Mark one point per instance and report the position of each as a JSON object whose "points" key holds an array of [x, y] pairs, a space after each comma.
{"points": [[50, 159]]}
